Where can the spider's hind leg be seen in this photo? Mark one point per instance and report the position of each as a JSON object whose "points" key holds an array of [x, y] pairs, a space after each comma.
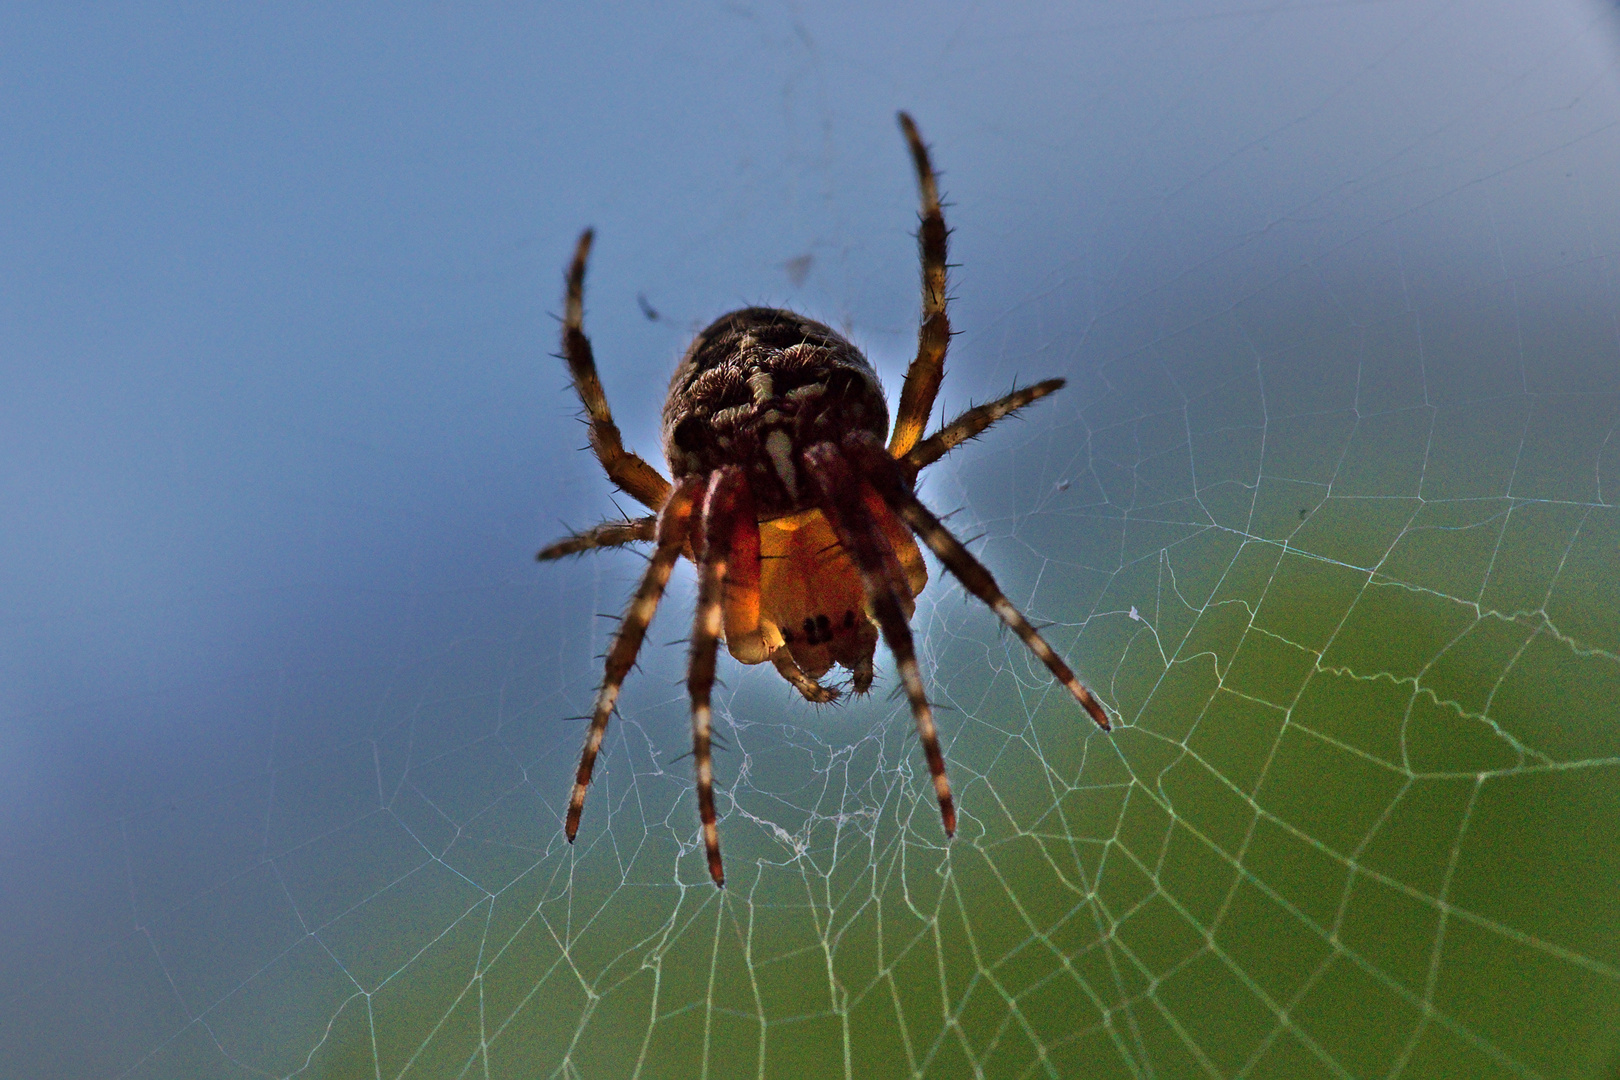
{"points": [[726, 509], [886, 590], [861, 675], [883, 473], [673, 524], [811, 690]]}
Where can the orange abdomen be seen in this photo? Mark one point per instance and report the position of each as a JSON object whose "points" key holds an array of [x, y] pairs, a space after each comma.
{"points": [[809, 596]]}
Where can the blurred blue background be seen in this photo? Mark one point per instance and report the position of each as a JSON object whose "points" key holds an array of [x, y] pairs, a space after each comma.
{"points": [[280, 430]]}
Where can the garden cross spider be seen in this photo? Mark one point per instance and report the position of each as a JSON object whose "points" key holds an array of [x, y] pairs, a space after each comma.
{"points": [[795, 512]]}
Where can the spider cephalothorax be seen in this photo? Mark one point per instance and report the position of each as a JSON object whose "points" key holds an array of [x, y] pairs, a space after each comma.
{"points": [[799, 518], [757, 387]]}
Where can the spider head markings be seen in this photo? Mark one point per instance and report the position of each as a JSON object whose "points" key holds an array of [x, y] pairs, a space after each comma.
{"points": [[759, 386]]}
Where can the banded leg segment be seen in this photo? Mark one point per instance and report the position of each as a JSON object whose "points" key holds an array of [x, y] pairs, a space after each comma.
{"points": [[973, 422], [886, 592], [673, 524], [628, 470], [934, 335], [607, 534], [721, 512], [884, 474]]}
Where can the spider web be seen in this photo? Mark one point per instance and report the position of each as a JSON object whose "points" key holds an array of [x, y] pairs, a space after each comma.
{"points": [[1326, 515]]}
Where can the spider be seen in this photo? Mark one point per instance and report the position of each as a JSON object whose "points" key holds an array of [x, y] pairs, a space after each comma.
{"points": [[799, 518]]}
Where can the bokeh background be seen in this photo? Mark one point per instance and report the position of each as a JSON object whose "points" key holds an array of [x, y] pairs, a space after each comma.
{"points": [[1326, 514]]}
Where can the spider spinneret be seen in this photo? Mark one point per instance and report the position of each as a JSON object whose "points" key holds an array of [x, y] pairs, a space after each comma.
{"points": [[800, 519]]}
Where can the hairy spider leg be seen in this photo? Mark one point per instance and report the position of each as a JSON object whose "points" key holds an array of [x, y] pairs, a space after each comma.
{"points": [[973, 422], [726, 508], [887, 595], [744, 640], [607, 534], [934, 334], [862, 674], [913, 570], [883, 473], [810, 689], [674, 521], [628, 470]]}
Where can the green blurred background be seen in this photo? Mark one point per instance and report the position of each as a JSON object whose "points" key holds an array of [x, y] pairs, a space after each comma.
{"points": [[1326, 515]]}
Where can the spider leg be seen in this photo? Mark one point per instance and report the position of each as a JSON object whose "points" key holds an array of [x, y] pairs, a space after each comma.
{"points": [[934, 335], [721, 509], [744, 639], [628, 470], [972, 422], [883, 473], [673, 523], [862, 675], [884, 581], [607, 534], [811, 690]]}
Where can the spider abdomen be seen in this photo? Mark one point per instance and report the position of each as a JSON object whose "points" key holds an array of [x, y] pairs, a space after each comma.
{"points": [[755, 389]]}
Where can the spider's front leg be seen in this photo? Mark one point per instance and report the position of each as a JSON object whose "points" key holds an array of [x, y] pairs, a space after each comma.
{"points": [[934, 334], [628, 470]]}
